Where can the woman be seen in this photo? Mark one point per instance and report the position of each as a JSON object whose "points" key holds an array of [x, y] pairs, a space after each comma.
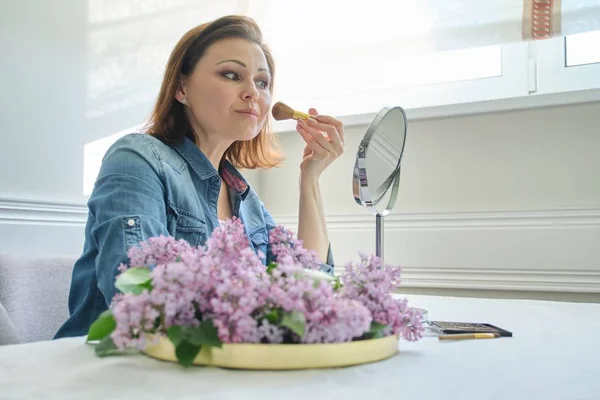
{"points": [[180, 177]]}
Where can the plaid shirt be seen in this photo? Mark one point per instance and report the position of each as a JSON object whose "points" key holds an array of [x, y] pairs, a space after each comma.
{"points": [[232, 177]]}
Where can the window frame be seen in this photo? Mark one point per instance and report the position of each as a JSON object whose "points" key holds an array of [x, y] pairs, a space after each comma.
{"points": [[553, 74]]}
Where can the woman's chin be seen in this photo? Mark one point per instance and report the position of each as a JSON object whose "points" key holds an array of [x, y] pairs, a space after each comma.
{"points": [[247, 136]]}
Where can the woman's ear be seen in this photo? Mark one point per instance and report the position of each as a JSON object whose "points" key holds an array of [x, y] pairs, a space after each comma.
{"points": [[180, 94]]}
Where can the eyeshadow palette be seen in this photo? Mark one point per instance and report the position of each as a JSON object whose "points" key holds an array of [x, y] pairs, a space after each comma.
{"points": [[449, 328]]}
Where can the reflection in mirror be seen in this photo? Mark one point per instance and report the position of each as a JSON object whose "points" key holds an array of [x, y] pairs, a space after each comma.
{"points": [[384, 151]]}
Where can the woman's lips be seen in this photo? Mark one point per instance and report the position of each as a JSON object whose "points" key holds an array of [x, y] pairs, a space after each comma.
{"points": [[250, 113]]}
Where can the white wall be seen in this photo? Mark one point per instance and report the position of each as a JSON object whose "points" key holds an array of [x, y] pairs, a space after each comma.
{"points": [[507, 200]]}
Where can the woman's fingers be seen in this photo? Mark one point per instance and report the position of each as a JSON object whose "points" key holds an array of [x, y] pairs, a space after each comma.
{"points": [[313, 129], [317, 137], [310, 140], [332, 134], [332, 121]]}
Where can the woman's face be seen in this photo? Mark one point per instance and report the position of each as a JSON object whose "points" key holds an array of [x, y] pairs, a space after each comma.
{"points": [[228, 92]]}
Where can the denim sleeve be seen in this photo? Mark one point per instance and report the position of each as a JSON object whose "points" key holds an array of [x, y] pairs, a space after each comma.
{"points": [[327, 267], [128, 206]]}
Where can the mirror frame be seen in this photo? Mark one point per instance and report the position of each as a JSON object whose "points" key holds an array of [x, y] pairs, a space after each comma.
{"points": [[360, 184]]}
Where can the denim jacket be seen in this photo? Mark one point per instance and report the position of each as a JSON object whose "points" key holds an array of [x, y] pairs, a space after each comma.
{"points": [[147, 188]]}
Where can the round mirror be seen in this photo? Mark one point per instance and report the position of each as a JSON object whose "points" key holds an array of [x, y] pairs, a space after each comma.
{"points": [[376, 174]]}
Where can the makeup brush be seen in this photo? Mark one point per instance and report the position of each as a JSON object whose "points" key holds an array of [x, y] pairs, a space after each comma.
{"points": [[282, 111]]}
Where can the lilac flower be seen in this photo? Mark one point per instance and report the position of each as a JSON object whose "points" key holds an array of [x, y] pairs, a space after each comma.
{"points": [[411, 325], [175, 288], [270, 333], [372, 285], [226, 282], [283, 243], [157, 250], [233, 283], [286, 291], [134, 315], [328, 318], [335, 320]]}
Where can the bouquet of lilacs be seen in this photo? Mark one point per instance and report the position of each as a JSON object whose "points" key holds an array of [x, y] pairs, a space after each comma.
{"points": [[223, 293]]}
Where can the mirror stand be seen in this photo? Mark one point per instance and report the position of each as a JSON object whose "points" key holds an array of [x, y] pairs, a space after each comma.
{"points": [[379, 217], [379, 239], [377, 168]]}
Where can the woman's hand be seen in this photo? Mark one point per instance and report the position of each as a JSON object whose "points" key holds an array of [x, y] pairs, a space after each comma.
{"points": [[324, 137]]}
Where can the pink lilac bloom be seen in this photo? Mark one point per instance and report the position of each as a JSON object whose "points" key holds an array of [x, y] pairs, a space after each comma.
{"points": [[411, 327], [157, 250], [372, 285], [284, 243], [286, 291], [133, 316], [225, 281], [270, 333], [331, 319], [328, 318], [233, 283], [175, 289]]}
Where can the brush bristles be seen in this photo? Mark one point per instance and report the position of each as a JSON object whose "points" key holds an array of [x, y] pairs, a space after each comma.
{"points": [[282, 111]]}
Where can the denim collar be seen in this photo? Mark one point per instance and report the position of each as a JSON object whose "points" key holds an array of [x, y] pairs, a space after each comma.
{"points": [[205, 170]]}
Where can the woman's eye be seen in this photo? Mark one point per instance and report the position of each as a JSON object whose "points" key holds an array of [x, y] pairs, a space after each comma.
{"points": [[263, 84], [231, 75]]}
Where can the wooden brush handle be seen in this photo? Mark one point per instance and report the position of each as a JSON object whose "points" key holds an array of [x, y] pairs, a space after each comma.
{"points": [[300, 114]]}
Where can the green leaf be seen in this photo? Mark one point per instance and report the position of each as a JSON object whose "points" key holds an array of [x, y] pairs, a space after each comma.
{"points": [[376, 327], [186, 352], [295, 321], [273, 316], [375, 331], [337, 284], [204, 335], [271, 267], [102, 327], [106, 347], [189, 340], [134, 280], [175, 335]]}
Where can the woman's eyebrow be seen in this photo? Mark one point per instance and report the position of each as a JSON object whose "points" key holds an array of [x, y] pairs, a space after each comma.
{"points": [[240, 63]]}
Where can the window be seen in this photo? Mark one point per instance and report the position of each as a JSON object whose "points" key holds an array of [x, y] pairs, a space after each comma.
{"points": [[93, 153], [583, 48], [350, 61], [567, 64], [356, 84], [367, 58]]}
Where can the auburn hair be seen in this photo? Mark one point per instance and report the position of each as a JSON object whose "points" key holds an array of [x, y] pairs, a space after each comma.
{"points": [[168, 121]]}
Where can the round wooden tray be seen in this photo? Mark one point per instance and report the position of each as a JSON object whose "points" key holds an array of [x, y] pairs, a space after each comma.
{"points": [[284, 356]]}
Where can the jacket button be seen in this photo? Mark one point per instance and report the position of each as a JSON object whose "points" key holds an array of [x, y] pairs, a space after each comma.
{"points": [[131, 222]]}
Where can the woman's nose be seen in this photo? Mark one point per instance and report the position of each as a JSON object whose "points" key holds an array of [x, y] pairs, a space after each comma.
{"points": [[251, 93]]}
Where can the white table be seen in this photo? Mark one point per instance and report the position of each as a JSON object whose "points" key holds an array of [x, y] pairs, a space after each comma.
{"points": [[554, 354]]}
